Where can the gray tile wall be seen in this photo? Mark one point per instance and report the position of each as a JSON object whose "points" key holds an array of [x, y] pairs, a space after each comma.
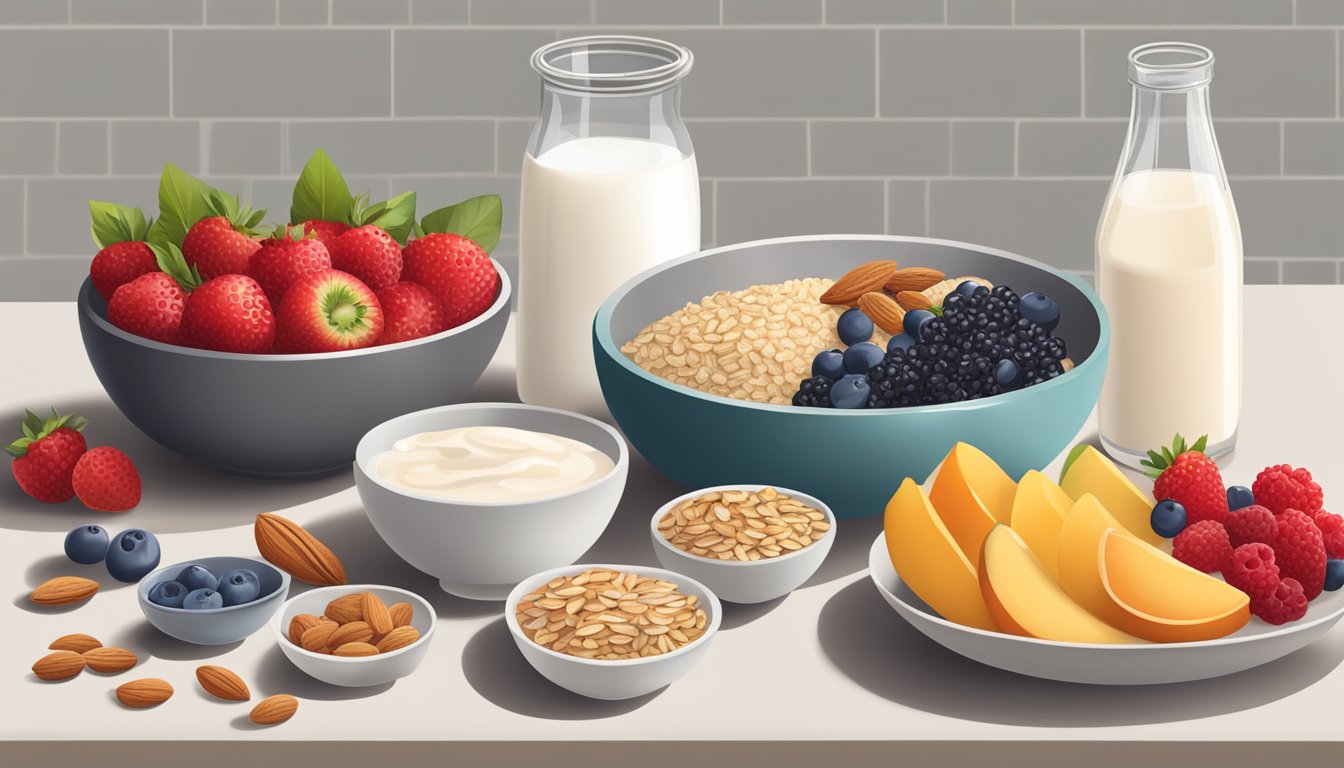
{"points": [[998, 121]]}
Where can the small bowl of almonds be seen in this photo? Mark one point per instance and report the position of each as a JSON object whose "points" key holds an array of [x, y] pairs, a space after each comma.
{"points": [[612, 631], [748, 543], [356, 635]]}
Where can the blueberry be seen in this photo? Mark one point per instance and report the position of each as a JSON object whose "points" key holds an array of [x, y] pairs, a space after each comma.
{"points": [[1239, 496], [1040, 309], [861, 357], [239, 586], [966, 289], [1168, 518], [854, 326], [195, 577], [850, 392], [1007, 375], [830, 363], [133, 553], [900, 341], [1334, 575], [914, 319], [203, 600], [169, 594], [86, 544]]}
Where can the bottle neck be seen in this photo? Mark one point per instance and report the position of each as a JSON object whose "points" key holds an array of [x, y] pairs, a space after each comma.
{"points": [[1172, 130], [568, 115]]}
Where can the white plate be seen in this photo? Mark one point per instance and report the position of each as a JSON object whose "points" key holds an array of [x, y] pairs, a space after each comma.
{"points": [[1255, 644]]}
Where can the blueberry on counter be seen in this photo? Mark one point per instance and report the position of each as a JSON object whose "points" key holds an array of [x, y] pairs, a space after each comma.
{"points": [[203, 600], [900, 341], [239, 586], [132, 555], [914, 319], [861, 357], [1334, 575], [169, 594], [854, 326], [850, 392], [1040, 309], [195, 577], [86, 544], [829, 363], [1238, 497], [1168, 518]]}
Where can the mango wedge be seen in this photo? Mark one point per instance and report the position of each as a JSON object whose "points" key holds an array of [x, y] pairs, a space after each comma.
{"points": [[1038, 514], [1093, 473], [972, 494]]}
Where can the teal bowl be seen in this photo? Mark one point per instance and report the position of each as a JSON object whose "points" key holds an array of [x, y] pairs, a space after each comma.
{"points": [[852, 460]]}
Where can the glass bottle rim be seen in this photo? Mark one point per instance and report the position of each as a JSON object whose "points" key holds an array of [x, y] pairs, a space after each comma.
{"points": [[1170, 66], [563, 64]]}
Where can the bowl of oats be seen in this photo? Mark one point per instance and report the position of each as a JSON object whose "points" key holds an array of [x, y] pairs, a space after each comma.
{"points": [[838, 364], [748, 543]]}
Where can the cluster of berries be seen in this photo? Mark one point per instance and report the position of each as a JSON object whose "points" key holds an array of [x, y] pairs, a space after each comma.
{"points": [[52, 463]]}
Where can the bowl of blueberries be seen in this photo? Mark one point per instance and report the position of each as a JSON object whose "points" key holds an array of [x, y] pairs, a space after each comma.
{"points": [[213, 600]]}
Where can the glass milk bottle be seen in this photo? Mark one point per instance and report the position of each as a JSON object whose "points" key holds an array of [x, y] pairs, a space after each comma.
{"points": [[610, 188], [1169, 266]]}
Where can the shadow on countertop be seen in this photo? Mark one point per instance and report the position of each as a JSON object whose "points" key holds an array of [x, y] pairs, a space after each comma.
{"points": [[880, 652]]}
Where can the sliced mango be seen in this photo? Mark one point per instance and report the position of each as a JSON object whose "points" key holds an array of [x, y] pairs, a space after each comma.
{"points": [[1091, 472], [972, 493], [1038, 514]]}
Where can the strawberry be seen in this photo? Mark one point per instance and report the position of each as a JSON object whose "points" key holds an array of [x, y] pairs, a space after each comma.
{"points": [[1189, 477], [228, 314], [326, 231], [327, 311], [119, 232], [410, 311], [455, 269], [369, 253], [285, 257], [45, 457], [221, 243], [106, 481], [150, 306]]}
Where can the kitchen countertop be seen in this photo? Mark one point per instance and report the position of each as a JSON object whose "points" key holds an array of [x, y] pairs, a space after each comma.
{"points": [[829, 662]]}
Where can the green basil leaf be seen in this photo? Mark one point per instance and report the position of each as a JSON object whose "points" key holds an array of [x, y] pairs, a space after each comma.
{"points": [[114, 223], [183, 201], [478, 218], [396, 216], [321, 192]]}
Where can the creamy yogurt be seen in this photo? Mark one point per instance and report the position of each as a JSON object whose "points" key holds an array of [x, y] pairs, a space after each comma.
{"points": [[491, 464]]}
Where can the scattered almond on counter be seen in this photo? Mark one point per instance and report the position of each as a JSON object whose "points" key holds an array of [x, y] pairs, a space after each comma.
{"points": [[145, 692], [60, 665], [79, 643], [110, 660], [222, 683], [63, 590], [287, 546], [274, 709]]}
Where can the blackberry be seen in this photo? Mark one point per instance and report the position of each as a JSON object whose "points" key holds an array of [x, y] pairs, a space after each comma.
{"points": [[814, 393]]}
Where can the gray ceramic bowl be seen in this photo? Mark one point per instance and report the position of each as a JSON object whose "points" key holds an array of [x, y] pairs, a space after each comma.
{"points": [[221, 625], [281, 417], [852, 459]]}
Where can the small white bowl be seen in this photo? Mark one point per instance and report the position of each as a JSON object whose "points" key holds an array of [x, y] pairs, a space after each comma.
{"points": [[621, 678], [356, 671], [479, 550], [751, 582]]}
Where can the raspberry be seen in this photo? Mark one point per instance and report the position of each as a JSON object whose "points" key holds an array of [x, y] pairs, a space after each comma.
{"points": [[1281, 487], [1251, 524], [1288, 603], [1300, 552], [1251, 569], [1203, 546], [1332, 530]]}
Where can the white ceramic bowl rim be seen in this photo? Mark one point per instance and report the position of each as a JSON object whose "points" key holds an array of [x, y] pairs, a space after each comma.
{"points": [[930, 615], [284, 582], [282, 635], [808, 499], [532, 582], [622, 454], [501, 302], [602, 329]]}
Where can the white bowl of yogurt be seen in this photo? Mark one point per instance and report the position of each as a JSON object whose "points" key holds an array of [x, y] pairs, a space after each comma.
{"points": [[482, 495]]}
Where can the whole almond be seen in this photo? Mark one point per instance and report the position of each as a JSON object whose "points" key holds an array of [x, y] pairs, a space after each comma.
{"points": [[376, 614], [145, 692], [346, 608], [300, 624], [356, 649], [315, 639], [913, 279], [910, 300], [883, 311], [222, 683], [274, 709], [287, 546], [858, 281], [63, 590], [398, 638], [401, 613], [60, 665], [354, 632], [79, 643], [110, 660]]}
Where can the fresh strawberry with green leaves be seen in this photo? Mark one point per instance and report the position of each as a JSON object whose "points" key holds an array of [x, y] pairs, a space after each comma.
{"points": [[284, 258], [369, 253], [326, 231], [1188, 476], [106, 480], [45, 457], [223, 241], [119, 231], [327, 311], [449, 257], [410, 311], [323, 204]]}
